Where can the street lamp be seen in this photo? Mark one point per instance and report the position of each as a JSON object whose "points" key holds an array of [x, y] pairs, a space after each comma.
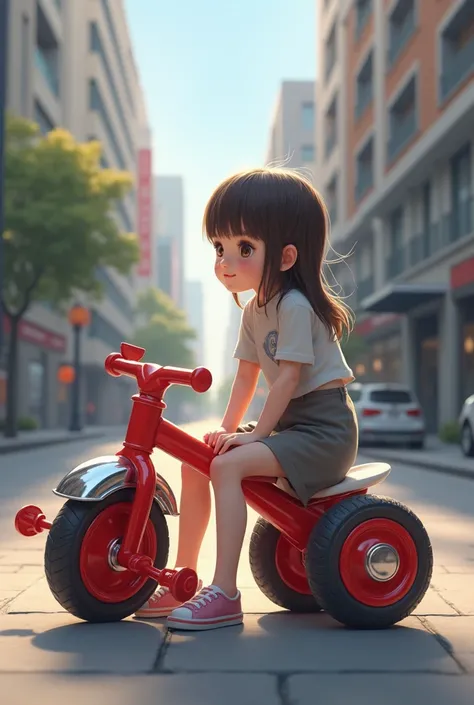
{"points": [[79, 317], [4, 7]]}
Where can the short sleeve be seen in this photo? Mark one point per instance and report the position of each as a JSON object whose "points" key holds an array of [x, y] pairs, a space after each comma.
{"points": [[246, 349], [295, 336]]}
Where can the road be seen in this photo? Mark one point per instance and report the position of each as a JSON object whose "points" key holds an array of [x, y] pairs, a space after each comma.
{"points": [[275, 658]]}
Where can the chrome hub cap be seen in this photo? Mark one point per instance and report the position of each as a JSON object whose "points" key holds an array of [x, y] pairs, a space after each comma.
{"points": [[382, 562], [113, 556]]}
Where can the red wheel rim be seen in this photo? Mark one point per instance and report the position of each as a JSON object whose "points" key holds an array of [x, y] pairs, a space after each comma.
{"points": [[352, 562], [290, 566], [101, 581]]}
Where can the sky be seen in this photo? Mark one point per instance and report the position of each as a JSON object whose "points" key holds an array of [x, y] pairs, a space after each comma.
{"points": [[210, 71]]}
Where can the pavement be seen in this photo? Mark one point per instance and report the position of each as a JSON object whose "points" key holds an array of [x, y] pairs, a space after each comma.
{"points": [[275, 657], [29, 440], [437, 456]]}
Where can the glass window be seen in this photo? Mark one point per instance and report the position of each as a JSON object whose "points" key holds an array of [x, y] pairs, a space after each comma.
{"points": [[391, 396], [307, 153], [401, 26], [307, 116]]}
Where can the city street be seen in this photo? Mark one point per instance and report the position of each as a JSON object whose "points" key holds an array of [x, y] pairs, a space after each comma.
{"points": [[48, 656]]}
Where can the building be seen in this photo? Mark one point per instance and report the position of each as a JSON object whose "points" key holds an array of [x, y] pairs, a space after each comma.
{"points": [[396, 147], [194, 307], [70, 64], [292, 133], [169, 235]]}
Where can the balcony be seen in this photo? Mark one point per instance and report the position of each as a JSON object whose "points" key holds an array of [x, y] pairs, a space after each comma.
{"points": [[450, 228], [365, 288], [330, 144], [402, 25], [402, 132], [457, 66], [365, 181], [363, 12], [46, 68], [364, 97], [396, 262]]}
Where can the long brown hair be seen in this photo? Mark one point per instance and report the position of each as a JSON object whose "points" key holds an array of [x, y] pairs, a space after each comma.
{"points": [[280, 207]]}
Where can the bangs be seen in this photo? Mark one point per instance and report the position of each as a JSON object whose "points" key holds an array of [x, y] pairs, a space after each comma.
{"points": [[237, 208]]}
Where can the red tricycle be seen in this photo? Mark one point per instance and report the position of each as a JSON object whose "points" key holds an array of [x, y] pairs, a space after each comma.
{"points": [[366, 560]]}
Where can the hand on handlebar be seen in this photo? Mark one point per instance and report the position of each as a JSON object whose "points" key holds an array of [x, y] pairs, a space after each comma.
{"points": [[211, 437]]}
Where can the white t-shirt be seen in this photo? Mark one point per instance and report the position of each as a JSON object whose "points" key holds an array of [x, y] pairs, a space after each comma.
{"points": [[294, 333]]}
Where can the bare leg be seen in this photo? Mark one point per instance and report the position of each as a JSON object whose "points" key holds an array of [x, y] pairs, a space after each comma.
{"points": [[195, 510], [227, 472]]}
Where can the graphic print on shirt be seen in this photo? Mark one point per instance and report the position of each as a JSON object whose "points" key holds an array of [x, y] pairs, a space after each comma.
{"points": [[270, 345]]}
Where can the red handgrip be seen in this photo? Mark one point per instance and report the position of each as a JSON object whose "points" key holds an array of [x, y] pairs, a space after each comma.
{"points": [[115, 365], [152, 378]]}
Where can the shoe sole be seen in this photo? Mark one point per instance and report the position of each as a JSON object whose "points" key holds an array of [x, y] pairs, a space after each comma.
{"points": [[200, 625], [154, 615]]}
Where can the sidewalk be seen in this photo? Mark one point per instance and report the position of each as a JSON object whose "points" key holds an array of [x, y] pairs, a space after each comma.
{"points": [[27, 440], [437, 456]]}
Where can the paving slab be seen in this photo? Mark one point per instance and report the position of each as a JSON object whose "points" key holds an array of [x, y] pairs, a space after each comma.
{"points": [[457, 634], [458, 589], [37, 598], [286, 643], [433, 603], [360, 690], [59, 642], [199, 689]]}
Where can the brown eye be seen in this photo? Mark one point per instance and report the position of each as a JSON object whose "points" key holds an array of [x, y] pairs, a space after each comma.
{"points": [[246, 250], [219, 249]]}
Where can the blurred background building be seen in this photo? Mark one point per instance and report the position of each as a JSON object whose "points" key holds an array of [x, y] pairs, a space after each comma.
{"points": [[395, 146], [194, 307], [292, 132], [169, 235], [70, 64]]}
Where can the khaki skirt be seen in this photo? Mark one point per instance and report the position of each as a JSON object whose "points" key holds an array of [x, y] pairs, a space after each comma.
{"points": [[315, 441]]}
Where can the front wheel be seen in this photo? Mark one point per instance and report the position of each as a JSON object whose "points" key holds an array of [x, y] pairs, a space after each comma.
{"points": [[79, 558], [278, 569], [369, 562]]}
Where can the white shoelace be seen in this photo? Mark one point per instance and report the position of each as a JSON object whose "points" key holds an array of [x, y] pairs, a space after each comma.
{"points": [[206, 595]]}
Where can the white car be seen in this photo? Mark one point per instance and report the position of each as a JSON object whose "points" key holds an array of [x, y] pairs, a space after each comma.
{"points": [[466, 423], [388, 413]]}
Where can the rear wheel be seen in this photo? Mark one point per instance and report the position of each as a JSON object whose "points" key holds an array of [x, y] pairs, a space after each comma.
{"points": [[278, 569], [79, 558], [369, 562]]}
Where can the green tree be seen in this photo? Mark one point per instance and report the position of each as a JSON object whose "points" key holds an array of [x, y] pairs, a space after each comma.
{"points": [[59, 227], [165, 334], [163, 330], [354, 347]]}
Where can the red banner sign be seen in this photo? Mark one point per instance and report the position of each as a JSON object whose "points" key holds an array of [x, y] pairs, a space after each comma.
{"points": [[144, 212], [32, 333]]}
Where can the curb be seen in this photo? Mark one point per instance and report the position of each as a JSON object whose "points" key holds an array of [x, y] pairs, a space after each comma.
{"points": [[21, 446], [425, 465]]}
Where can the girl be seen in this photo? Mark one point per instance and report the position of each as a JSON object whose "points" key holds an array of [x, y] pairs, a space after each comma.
{"points": [[269, 231]]}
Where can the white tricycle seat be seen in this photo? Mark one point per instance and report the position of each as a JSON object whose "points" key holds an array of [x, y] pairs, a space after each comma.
{"points": [[359, 477]]}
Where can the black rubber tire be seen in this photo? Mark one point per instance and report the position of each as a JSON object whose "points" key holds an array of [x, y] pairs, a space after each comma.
{"points": [[62, 553], [263, 544], [417, 445], [322, 561], [469, 451]]}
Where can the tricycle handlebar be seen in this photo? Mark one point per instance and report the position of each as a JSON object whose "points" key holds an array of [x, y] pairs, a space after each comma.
{"points": [[153, 378]]}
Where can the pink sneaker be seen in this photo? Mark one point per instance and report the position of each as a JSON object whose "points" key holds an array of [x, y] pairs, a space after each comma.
{"points": [[160, 604], [210, 609]]}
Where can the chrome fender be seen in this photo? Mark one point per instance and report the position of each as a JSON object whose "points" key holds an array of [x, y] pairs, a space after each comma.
{"points": [[100, 477]]}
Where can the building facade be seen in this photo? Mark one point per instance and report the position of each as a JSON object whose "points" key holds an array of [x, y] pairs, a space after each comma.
{"points": [[70, 64], [292, 131], [396, 147], [168, 220]]}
